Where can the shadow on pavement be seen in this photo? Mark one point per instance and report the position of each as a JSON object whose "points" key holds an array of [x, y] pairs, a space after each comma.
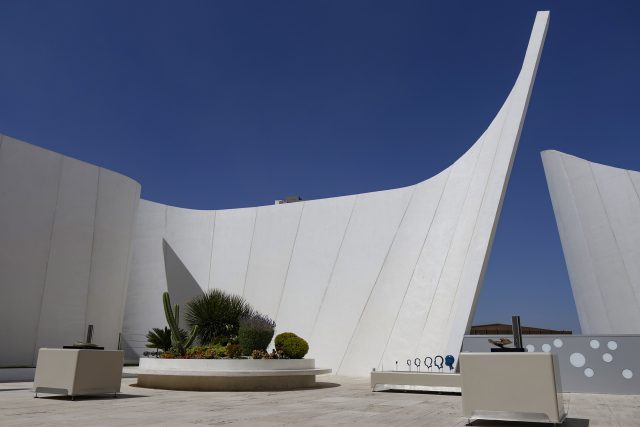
{"points": [[569, 422], [318, 386], [91, 397]]}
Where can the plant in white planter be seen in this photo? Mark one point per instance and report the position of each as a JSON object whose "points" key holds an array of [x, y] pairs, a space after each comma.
{"points": [[179, 344]]}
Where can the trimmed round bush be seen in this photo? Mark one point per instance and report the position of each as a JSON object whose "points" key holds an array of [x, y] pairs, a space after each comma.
{"points": [[280, 338], [255, 333], [291, 345]]}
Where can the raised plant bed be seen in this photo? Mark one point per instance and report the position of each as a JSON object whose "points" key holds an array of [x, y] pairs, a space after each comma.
{"points": [[228, 374]]}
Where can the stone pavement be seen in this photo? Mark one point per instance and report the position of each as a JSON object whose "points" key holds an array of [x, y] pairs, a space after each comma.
{"points": [[338, 401]]}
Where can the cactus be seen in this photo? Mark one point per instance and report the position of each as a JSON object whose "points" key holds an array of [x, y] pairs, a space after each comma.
{"points": [[178, 342]]}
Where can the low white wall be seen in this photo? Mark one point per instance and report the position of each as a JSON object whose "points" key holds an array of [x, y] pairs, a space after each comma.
{"points": [[17, 374], [148, 363]]}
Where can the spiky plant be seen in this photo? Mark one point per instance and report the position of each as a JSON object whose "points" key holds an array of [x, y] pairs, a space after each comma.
{"points": [[159, 338], [179, 343], [217, 314]]}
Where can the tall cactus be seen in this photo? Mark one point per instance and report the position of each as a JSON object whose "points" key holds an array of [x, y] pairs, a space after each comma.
{"points": [[178, 341]]}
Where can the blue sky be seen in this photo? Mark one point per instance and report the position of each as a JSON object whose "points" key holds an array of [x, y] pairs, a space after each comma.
{"points": [[230, 104]]}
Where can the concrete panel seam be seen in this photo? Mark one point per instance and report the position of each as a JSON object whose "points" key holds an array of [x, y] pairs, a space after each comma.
{"points": [[93, 246], [164, 235], [213, 236], [444, 263], [377, 279], [482, 204], [135, 202], [46, 265], [613, 234], [588, 249], [293, 247], [253, 233], [560, 222], [635, 189], [413, 272], [333, 267]]}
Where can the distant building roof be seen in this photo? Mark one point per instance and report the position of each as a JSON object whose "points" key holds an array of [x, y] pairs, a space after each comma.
{"points": [[289, 199], [503, 329]]}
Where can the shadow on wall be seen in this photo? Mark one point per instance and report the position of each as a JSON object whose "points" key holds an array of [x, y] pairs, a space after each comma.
{"points": [[182, 286]]}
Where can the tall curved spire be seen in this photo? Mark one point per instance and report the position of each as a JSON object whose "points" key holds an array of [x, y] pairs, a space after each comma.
{"points": [[368, 279]]}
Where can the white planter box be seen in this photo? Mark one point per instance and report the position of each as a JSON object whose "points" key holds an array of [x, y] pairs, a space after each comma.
{"points": [[75, 372]]}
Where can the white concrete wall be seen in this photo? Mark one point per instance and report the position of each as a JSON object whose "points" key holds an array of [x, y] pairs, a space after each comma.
{"points": [[366, 279], [65, 237], [597, 210]]}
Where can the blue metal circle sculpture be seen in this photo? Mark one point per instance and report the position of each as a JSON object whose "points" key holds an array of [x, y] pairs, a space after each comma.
{"points": [[449, 361]]}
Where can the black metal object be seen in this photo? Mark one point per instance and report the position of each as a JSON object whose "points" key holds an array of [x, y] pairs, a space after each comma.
{"points": [[87, 345], [82, 347], [89, 334], [517, 331], [430, 364], [435, 362]]}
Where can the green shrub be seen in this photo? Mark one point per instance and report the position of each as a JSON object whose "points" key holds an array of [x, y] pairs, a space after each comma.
{"points": [[280, 338], [205, 352], [169, 355], [291, 345], [199, 352], [255, 333], [217, 315], [223, 340], [234, 351], [259, 354], [262, 354], [179, 342], [220, 350]]}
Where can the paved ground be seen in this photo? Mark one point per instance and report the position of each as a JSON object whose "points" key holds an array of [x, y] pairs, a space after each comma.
{"points": [[339, 401]]}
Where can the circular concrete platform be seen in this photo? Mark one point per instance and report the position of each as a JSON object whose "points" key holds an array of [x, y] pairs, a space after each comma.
{"points": [[227, 374]]}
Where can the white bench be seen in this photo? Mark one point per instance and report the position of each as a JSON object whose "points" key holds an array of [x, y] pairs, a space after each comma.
{"points": [[418, 381]]}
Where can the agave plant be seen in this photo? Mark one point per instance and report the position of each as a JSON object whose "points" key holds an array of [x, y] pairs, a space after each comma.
{"points": [[161, 338], [217, 314]]}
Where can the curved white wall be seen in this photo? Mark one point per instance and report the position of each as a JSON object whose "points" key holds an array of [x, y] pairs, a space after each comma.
{"points": [[597, 210], [368, 279], [65, 238]]}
